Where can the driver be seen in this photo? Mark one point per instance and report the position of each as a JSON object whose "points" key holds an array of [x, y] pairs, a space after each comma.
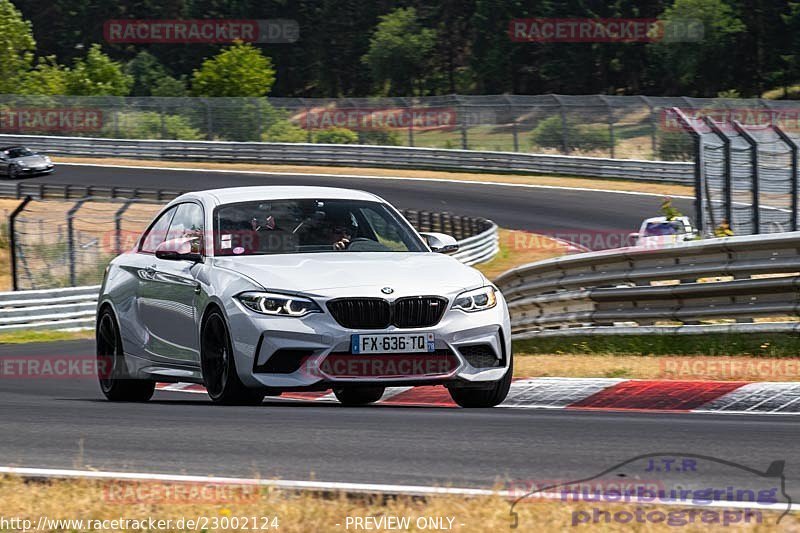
{"points": [[341, 237], [341, 231]]}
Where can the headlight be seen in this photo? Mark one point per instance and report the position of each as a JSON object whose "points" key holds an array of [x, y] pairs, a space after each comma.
{"points": [[47, 159], [476, 300], [268, 303]]}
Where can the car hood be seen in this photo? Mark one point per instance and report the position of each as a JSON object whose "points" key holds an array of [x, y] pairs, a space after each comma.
{"points": [[357, 273], [30, 160]]}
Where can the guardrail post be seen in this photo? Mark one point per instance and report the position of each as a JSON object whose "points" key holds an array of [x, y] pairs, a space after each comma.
{"points": [[698, 167], [12, 240], [726, 168], [794, 149], [71, 239], [754, 163]]}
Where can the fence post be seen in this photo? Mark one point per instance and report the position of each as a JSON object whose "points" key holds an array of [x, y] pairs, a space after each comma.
{"points": [[515, 134], [564, 135], [209, 121], [309, 137], [754, 163], [71, 239], [118, 225], [793, 147], [161, 114], [610, 118], [653, 128], [726, 169], [12, 240], [463, 121], [259, 124]]}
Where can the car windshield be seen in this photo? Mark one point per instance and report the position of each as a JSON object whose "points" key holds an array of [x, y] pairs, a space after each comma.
{"points": [[309, 226], [658, 229], [18, 152]]}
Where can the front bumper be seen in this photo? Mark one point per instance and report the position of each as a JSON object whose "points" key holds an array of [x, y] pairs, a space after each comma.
{"points": [[32, 171], [257, 338]]}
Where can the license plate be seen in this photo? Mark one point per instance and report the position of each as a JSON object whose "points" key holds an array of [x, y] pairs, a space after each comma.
{"points": [[392, 343]]}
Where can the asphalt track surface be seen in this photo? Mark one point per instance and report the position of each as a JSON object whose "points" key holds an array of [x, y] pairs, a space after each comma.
{"points": [[560, 212], [66, 423]]}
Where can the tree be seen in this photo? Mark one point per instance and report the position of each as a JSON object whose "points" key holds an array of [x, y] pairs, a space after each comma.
{"points": [[169, 86], [240, 70], [47, 78], [399, 51], [16, 47], [702, 68], [145, 70], [97, 75]]}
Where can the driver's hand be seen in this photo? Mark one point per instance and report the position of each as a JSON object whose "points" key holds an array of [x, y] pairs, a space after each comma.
{"points": [[341, 245]]}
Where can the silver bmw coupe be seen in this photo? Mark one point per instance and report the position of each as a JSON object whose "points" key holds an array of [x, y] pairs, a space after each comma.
{"points": [[254, 291]]}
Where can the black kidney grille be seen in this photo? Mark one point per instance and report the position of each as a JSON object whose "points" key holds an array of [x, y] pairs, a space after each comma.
{"points": [[377, 313], [419, 312], [361, 313]]}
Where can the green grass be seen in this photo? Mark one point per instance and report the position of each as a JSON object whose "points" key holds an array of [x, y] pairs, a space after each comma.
{"points": [[757, 345], [26, 336]]}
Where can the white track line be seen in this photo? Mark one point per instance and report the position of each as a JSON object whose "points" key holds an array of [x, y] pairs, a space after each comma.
{"points": [[376, 488], [333, 486], [389, 178]]}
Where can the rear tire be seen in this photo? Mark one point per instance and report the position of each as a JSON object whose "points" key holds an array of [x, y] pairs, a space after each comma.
{"points": [[112, 372], [471, 398], [359, 395], [12, 172], [219, 367]]}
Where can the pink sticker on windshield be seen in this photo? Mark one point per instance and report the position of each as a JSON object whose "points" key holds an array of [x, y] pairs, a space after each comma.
{"points": [[238, 250]]}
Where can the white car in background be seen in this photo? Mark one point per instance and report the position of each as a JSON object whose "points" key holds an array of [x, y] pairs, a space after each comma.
{"points": [[253, 291], [658, 232]]}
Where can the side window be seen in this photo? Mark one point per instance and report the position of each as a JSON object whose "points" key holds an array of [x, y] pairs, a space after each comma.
{"points": [[157, 232], [187, 222]]}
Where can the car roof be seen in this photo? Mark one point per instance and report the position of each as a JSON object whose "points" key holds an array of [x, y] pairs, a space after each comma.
{"points": [[231, 195], [660, 220], [4, 148]]}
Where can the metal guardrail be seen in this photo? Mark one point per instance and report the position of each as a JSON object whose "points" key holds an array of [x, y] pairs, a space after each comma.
{"points": [[75, 307], [676, 289], [72, 307], [360, 156]]}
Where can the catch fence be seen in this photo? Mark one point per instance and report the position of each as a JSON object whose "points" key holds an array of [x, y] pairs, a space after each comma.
{"points": [[617, 127]]}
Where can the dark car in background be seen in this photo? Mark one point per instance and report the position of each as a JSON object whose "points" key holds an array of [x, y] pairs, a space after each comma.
{"points": [[16, 161]]}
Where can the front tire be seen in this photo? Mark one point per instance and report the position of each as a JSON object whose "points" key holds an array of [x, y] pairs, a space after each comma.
{"points": [[112, 372], [490, 397], [353, 396], [219, 368]]}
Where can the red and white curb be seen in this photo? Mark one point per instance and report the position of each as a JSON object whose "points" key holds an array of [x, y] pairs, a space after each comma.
{"points": [[733, 397]]}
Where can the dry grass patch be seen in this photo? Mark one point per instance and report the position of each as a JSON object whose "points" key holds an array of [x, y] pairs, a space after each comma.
{"points": [[520, 248], [91, 501], [553, 181]]}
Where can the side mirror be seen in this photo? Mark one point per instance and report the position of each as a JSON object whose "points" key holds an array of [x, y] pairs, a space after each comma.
{"points": [[183, 249], [441, 242]]}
